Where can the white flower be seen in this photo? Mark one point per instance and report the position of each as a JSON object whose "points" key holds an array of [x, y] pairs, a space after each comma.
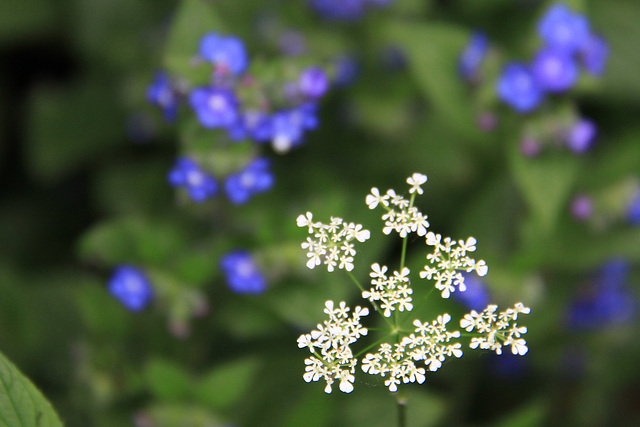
{"points": [[481, 268], [378, 272], [416, 180], [306, 220], [374, 198]]}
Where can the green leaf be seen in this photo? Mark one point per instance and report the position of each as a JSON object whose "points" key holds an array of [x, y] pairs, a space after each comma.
{"points": [[69, 127], [133, 239], [21, 403], [167, 380], [433, 52], [531, 415], [226, 383], [545, 182], [193, 19]]}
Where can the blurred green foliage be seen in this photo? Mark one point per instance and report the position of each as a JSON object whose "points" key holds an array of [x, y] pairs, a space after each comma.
{"points": [[83, 165]]}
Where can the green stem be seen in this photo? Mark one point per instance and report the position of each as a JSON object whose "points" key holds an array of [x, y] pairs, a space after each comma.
{"points": [[402, 409]]}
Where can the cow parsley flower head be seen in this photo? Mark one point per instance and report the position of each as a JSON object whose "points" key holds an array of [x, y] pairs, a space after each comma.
{"points": [[429, 345], [332, 244], [401, 216], [392, 292], [406, 353], [330, 346], [448, 260], [497, 329]]}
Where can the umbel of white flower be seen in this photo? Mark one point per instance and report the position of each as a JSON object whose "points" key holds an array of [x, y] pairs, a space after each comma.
{"points": [[332, 244], [410, 355]]}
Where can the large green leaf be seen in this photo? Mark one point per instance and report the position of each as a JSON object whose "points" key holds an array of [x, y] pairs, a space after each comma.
{"points": [[167, 380], [225, 384], [433, 52], [545, 183], [21, 403]]}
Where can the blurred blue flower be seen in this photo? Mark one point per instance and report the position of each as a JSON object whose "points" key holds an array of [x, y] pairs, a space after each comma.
{"points": [[476, 296], [313, 82], [214, 107], [288, 126], [633, 211], [554, 70], [518, 88], [255, 178], [606, 302], [341, 10], [252, 124], [188, 175], [581, 136], [473, 55], [562, 29], [131, 287], [594, 55], [226, 53], [346, 70], [582, 207], [242, 274], [345, 10], [162, 93]]}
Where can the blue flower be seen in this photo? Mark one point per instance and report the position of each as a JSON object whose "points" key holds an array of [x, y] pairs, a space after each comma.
{"points": [[188, 175], [554, 70], [594, 55], [562, 29], [226, 53], [242, 274], [161, 93], [518, 88], [633, 211], [313, 82], [346, 70], [581, 136], [340, 10], [255, 178], [131, 287], [214, 107], [607, 302], [472, 56], [476, 296], [288, 126], [254, 124]]}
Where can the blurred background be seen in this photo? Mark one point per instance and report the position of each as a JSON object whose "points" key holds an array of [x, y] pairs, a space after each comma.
{"points": [[86, 148]]}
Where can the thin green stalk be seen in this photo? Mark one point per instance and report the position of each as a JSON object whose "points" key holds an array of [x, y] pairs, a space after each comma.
{"points": [[402, 409]]}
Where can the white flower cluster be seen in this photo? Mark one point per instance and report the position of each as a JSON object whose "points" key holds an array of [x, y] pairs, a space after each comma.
{"points": [[449, 257], [332, 243], [408, 355], [497, 328], [332, 340], [428, 344], [392, 291], [403, 218]]}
